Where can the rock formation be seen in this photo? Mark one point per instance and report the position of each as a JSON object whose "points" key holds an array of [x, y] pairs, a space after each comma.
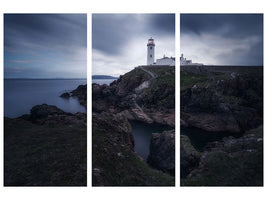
{"points": [[222, 102], [162, 151], [132, 96], [230, 162], [114, 161], [80, 92], [223, 99]]}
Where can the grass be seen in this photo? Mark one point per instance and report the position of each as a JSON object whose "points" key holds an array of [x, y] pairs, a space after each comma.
{"points": [[224, 169], [189, 79], [44, 155], [118, 165], [161, 92]]}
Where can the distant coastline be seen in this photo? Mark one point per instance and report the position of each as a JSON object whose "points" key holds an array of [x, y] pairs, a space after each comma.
{"points": [[103, 77]]}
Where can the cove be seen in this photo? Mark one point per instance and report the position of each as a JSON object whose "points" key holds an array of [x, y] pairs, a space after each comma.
{"points": [[142, 135], [200, 138]]}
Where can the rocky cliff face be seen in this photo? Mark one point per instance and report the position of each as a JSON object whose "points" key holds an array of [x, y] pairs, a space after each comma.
{"points": [[162, 151], [189, 157], [138, 96], [134, 96], [230, 162], [223, 99], [80, 92], [222, 102], [114, 160]]}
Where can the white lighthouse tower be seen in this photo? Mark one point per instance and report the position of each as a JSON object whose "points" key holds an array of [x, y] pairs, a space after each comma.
{"points": [[150, 51]]}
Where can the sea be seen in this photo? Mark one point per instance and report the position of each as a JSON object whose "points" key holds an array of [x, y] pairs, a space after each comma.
{"points": [[20, 95], [142, 133], [103, 81]]}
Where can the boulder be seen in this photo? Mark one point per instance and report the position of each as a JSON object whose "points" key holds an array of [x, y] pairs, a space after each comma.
{"points": [[189, 157], [162, 151], [230, 162]]}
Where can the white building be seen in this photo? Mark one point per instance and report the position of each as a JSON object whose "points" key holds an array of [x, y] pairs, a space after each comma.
{"points": [[150, 52], [183, 61], [166, 61], [151, 56]]}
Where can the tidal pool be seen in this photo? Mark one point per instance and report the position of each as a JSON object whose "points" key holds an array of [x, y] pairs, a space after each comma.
{"points": [[142, 135]]}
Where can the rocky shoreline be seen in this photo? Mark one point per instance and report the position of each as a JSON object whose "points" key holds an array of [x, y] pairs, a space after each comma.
{"points": [[47, 147], [223, 99], [80, 92]]}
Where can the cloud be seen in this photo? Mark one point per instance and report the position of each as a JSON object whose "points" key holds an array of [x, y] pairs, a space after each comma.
{"points": [[43, 40], [230, 39], [119, 40]]}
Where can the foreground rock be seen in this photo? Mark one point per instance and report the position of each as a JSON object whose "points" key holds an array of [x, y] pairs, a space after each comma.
{"points": [[114, 161], [189, 157], [51, 115], [46, 148], [230, 162], [162, 151]]}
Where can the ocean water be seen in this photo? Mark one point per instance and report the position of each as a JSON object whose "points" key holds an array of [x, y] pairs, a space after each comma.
{"points": [[20, 95], [142, 135], [103, 81]]}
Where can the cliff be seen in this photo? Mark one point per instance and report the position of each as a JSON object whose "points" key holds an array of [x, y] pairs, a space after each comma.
{"points": [[226, 101], [114, 161], [223, 99], [139, 96], [144, 94]]}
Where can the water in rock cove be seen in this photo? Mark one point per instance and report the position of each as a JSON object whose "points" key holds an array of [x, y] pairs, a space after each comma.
{"points": [[20, 95], [200, 138], [142, 133]]}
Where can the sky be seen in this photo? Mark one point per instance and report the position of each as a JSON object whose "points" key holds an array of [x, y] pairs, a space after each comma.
{"points": [[222, 39], [119, 41], [45, 45]]}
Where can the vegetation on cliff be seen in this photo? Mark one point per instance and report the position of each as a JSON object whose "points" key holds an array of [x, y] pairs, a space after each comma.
{"points": [[46, 148], [139, 96], [230, 162], [227, 100], [114, 161], [223, 99], [143, 94], [161, 93]]}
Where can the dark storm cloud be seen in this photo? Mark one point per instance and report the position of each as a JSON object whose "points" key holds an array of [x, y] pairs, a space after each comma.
{"points": [[163, 22], [227, 25], [45, 42], [112, 31], [47, 29], [242, 32]]}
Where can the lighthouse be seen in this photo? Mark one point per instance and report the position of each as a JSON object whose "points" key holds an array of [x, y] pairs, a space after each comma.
{"points": [[150, 52]]}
